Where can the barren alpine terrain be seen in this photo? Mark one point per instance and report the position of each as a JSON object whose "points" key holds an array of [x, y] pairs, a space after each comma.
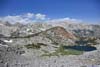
{"points": [[49, 45]]}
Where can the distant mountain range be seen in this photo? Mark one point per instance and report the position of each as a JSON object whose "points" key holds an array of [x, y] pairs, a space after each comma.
{"points": [[78, 29]]}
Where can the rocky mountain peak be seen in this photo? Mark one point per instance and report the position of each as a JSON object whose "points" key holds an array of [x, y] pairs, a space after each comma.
{"points": [[60, 31]]}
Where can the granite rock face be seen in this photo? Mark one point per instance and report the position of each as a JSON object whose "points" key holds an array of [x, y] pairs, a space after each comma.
{"points": [[24, 45]]}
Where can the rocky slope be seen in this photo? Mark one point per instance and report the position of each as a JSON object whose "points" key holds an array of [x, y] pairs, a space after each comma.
{"points": [[41, 45]]}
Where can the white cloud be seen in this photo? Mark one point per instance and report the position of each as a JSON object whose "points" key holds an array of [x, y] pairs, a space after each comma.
{"points": [[14, 19], [30, 17], [25, 18], [40, 16], [70, 20]]}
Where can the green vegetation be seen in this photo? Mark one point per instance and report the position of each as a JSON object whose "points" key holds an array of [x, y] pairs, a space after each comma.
{"points": [[35, 46], [32, 46], [62, 51], [41, 44], [87, 41], [45, 51]]}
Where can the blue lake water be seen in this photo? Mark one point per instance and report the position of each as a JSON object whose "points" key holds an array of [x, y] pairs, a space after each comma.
{"points": [[81, 48]]}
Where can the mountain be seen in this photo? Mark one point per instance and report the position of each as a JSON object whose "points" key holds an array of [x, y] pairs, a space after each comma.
{"points": [[26, 45], [59, 35], [59, 31], [80, 29]]}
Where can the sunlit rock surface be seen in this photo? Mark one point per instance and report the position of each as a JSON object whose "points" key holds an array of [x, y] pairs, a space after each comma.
{"points": [[40, 45]]}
